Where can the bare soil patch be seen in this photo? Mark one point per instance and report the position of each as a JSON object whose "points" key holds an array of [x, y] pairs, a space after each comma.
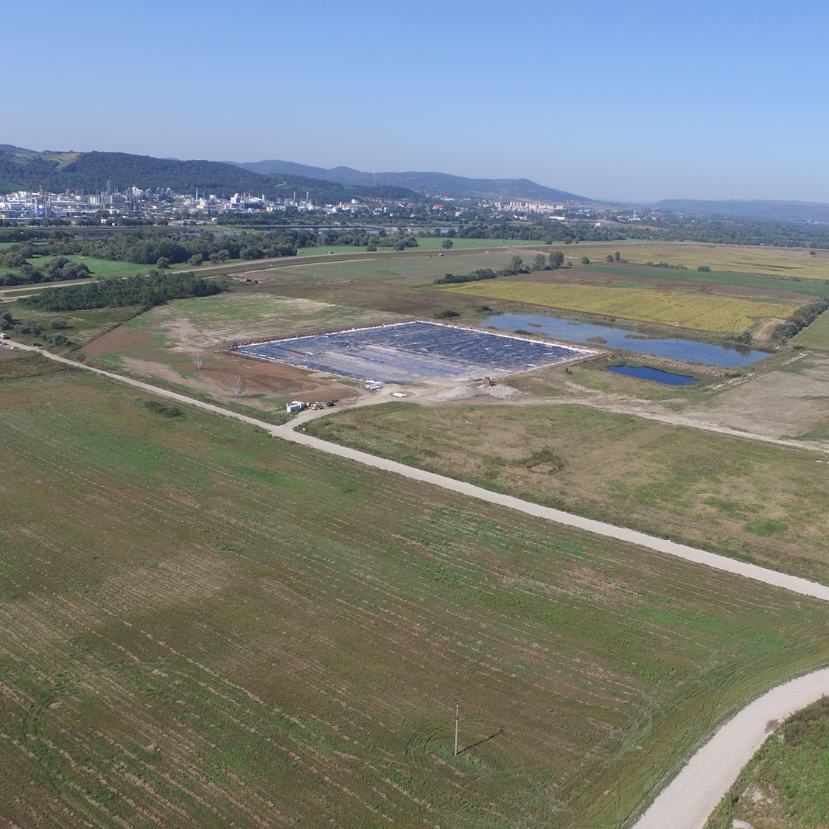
{"points": [[782, 403]]}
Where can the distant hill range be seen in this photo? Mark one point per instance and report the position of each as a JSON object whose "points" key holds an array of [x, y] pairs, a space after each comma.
{"points": [[432, 184], [93, 172], [756, 209]]}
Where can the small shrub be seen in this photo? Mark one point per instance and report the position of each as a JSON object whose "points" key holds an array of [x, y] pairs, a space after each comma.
{"points": [[445, 315], [544, 457], [58, 323], [704, 269], [164, 409]]}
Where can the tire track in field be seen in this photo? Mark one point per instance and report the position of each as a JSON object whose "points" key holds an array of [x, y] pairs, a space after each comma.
{"points": [[688, 801]]}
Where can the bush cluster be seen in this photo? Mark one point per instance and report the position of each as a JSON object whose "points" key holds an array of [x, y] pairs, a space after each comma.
{"points": [[33, 328], [58, 270]]}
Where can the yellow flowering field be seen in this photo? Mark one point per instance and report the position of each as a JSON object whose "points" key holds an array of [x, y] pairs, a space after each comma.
{"points": [[702, 312]]}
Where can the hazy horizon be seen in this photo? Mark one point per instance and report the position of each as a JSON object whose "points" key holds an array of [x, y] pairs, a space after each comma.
{"points": [[633, 103]]}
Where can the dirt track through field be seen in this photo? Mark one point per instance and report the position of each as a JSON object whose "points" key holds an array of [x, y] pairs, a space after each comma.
{"points": [[696, 791]]}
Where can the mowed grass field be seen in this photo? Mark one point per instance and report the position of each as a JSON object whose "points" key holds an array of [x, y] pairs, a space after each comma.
{"points": [[784, 785], [791, 262], [698, 311], [754, 501], [201, 625], [427, 268]]}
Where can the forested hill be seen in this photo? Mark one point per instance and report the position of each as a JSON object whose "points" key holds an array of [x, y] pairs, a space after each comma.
{"points": [[90, 172], [10, 148], [435, 184]]}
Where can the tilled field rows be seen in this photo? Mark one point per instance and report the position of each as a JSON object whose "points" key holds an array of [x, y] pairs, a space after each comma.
{"points": [[200, 625]]}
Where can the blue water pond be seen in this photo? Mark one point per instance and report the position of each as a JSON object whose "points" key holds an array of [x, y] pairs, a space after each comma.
{"points": [[646, 373], [684, 351]]}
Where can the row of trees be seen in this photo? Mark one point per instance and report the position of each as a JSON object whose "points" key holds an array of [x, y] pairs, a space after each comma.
{"points": [[162, 248], [516, 265], [804, 316], [144, 291]]}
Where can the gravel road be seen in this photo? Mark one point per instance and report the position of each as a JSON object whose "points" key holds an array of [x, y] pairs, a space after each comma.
{"points": [[695, 792]]}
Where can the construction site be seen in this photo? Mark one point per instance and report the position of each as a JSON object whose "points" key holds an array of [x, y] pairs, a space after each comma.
{"points": [[411, 351]]}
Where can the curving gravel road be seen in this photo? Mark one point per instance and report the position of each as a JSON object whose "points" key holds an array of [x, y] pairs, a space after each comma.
{"points": [[696, 791], [688, 801]]}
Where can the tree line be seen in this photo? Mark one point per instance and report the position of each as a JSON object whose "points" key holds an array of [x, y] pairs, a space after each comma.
{"points": [[804, 316], [144, 291], [554, 261], [161, 249]]}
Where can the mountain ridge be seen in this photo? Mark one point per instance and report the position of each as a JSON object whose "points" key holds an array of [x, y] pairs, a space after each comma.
{"points": [[427, 183], [95, 171], [10, 148]]}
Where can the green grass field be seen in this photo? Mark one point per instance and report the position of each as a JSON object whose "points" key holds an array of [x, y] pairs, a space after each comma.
{"points": [[433, 243], [815, 335], [202, 624], [784, 785], [102, 268], [749, 500], [385, 265], [82, 326]]}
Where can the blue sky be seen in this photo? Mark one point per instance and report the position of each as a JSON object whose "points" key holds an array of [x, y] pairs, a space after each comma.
{"points": [[629, 101]]}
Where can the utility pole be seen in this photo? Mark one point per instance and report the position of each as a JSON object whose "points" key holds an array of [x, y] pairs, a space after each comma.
{"points": [[457, 725]]}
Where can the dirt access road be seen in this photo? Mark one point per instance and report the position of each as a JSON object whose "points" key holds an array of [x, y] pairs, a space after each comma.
{"points": [[689, 800], [697, 790]]}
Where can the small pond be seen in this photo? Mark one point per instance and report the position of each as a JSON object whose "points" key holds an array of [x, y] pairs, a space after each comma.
{"points": [[646, 373], [684, 351]]}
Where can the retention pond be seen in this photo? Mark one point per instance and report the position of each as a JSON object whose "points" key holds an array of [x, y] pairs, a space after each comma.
{"points": [[647, 373], [683, 351]]}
